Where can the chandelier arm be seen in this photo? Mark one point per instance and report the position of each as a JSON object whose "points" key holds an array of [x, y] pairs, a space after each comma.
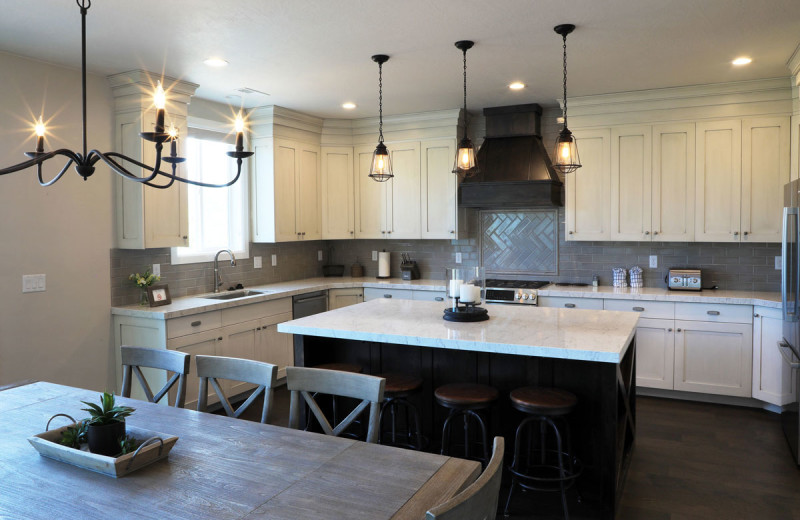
{"points": [[54, 179], [118, 168], [39, 159], [107, 157]]}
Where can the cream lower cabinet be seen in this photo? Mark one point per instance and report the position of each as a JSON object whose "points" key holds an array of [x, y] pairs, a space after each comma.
{"points": [[772, 377], [655, 353], [338, 298], [205, 344]]}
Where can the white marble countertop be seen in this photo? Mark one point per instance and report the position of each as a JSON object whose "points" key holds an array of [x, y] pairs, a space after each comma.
{"points": [[198, 303], [586, 335]]}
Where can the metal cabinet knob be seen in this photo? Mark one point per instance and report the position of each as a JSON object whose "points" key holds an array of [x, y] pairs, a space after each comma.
{"points": [[196, 323], [679, 330], [746, 233], [756, 315], [736, 233], [389, 232], [655, 232], [452, 232], [439, 299], [646, 232], [351, 232], [185, 237], [669, 329], [570, 233], [219, 338]]}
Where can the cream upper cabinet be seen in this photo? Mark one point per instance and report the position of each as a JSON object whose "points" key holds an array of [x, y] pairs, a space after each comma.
{"points": [[673, 182], [439, 190], [587, 199], [338, 195], [370, 210], [718, 182], [285, 191], [630, 182], [765, 170]]}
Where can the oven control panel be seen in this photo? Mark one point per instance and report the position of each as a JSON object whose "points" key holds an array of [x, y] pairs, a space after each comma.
{"points": [[524, 296]]}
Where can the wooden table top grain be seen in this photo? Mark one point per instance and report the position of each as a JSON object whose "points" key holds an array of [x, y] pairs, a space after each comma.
{"points": [[220, 468]]}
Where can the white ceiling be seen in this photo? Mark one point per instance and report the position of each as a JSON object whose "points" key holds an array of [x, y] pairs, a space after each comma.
{"points": [[312, 55]]}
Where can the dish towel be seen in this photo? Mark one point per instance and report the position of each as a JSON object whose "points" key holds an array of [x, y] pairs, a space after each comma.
{"points": [[620, 276], [636, 276]]}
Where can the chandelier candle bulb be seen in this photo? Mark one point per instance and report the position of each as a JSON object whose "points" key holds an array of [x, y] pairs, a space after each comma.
{"points": [[39, 127], [239, 127], [160, 101]]}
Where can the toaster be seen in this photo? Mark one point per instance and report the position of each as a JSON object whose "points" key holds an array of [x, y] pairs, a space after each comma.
{"points": [[684, 279]]}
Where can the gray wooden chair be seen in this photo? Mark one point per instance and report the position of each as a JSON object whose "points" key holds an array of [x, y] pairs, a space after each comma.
{"points": [[212, 368], [479, 500], [133, 358], [305, 382]]}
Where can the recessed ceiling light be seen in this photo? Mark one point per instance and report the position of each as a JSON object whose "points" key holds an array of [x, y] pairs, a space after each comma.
{"points": [[348, 105], [215, 62], [741, 61], [517, 85]]}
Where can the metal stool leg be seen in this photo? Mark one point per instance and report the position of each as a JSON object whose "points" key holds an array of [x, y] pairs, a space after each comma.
{"points": [[446, 433]]}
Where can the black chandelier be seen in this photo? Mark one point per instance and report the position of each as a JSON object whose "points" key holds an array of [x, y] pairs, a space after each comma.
{"points": [[465, 164], [566, 159], [85, 162], [381, 168]]}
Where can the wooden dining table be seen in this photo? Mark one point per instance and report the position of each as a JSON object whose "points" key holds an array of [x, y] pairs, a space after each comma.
{"points": [[220, 467]]}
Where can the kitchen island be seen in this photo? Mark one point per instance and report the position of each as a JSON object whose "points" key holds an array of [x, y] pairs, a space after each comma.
{"points": [[590, 353]]}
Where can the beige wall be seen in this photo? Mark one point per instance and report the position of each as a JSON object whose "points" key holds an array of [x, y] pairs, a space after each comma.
{"points": [[64, 231]]}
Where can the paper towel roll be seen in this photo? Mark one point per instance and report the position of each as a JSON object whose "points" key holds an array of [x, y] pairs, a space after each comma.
{"points": [[384, 261]]}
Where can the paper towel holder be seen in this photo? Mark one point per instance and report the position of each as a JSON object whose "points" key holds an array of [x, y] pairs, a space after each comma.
{"points": [[384, 265]]}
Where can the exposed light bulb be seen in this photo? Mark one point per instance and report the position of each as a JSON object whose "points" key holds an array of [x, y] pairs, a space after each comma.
{"points": [[39, 128], [465, 157], [563, 150], [173, 132], [159, 97], [238, 124], [381, 164]]}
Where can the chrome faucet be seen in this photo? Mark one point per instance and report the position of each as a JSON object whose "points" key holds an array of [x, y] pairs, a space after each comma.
{"points": [[217, 277]]}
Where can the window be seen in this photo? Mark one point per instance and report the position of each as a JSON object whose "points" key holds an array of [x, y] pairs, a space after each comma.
{"points": [[217, 216]]}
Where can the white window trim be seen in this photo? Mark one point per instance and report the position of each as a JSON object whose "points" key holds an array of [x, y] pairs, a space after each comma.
{"points": [[175, 259]]}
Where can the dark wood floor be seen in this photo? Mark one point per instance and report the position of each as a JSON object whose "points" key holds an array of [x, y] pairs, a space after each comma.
{"points": [[691, 461]]}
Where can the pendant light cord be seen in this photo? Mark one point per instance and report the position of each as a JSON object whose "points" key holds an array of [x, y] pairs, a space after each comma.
{"points": [[380, 102], [565, 81], [465, 82]]}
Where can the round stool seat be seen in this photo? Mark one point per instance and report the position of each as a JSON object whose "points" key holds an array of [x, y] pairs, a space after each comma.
{"points": [[341, 367], [543, 401], [400, 385], [466, 396]]}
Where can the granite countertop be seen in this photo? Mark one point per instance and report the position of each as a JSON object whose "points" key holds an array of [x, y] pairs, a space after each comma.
{"points": [[586, 335], [198, 303]]}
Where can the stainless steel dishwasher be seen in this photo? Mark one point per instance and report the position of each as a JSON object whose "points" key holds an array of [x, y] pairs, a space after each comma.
{"points": [[309, 303]]}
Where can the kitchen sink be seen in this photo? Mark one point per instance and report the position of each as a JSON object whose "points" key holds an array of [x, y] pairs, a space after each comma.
{"points": [[235, 295]]}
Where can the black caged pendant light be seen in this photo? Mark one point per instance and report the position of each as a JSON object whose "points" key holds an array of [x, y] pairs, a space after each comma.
{"points": [[465, 164], [381, 168], [565, 158]]}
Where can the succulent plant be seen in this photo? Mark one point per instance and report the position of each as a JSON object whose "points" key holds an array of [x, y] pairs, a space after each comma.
{"points": [[107, 413]]}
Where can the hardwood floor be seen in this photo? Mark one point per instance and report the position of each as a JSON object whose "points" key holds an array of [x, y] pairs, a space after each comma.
{"points": [[691, 461]]}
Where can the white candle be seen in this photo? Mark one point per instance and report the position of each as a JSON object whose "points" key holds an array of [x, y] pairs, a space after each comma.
{"points": [[469, 293], [454, 287]]}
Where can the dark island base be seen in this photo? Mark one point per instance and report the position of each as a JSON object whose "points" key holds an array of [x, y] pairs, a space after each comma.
{"points": [[603, 424]]}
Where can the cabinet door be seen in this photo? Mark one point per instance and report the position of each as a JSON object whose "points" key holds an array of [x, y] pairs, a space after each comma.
{"points": [[630, 183], [439, 189], [718, 181], [276, 347], [203, 343], [588, 198], [239, 342], [338, 203], [673, 182], [765, 171], [714, 358], [285, 195], [307, 211], [370, 198], [655, 353], [403, 195], [338, 298], [262, 191], [795, 146], [772, 378]]}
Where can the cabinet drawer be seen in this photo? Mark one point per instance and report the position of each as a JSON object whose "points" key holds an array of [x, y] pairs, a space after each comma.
{"points": [[371, 293], [714, 312], [195, 323], [255, 311], [646, 309], [431, 296], [571, 303]]}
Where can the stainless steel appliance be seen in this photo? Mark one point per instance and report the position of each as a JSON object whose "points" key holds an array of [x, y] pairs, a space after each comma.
{"points": [[790, 292], [513, 291], [684, 279], [309, 304]]}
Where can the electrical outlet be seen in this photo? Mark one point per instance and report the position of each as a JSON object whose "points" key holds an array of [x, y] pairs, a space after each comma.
{"points": [[778, 263], [256, 262], [157, 269], [458, 258], [374, 256], [319, 255], [33, 283], [653, 261], [274, 260]]}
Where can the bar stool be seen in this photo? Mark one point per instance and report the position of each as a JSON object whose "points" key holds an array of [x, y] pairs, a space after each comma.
{"points": [[341, 367], [398, 388], [542, 468], [466, 400]]}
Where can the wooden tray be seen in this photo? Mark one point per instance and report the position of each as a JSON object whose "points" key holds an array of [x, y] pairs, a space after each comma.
{"points": [[155, 447]]}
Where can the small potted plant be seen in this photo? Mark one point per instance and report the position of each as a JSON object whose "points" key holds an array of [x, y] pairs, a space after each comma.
{"points": [[143, 281], [105, 427]]}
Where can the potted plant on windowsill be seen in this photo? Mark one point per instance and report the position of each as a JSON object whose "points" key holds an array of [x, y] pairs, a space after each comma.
{"points": [[105, 427]]}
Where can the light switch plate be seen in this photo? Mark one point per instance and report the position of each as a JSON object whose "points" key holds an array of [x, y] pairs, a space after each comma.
{"points": [[157, 269], [274, 260], [778, 263], [458, 258], [34, 283], [319, 255], [374, 256], [653, 261], [256, 262]]}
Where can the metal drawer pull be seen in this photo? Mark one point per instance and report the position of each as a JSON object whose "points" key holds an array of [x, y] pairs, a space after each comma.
{"points": [[196, 323], [387, 295], [569, 305], [639, 309], [439, 298], [713, 313]]}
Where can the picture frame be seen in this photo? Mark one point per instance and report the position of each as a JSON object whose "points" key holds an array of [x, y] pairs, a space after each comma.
{"points": [[158, 295]]}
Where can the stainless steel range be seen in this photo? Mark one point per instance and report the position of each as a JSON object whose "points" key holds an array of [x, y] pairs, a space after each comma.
{"points": [[513, 291]]}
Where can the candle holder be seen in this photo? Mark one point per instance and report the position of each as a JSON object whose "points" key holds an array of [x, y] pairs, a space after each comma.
{"points": [[465, 289]]}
